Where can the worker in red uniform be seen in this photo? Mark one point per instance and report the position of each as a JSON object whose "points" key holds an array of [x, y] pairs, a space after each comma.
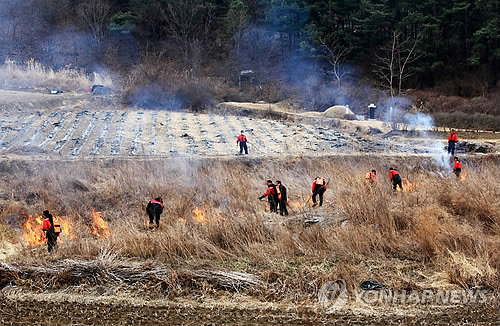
{"points": [[395, 179], [371, 177], [457, 168], [52, 228], [154, 210], [318, 188], [452, 140], [271, 195], [242, 140], [282, 198]]}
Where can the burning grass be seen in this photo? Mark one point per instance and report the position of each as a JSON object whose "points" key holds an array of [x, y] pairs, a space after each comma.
{"points": [[33, 234], [440, 230]]}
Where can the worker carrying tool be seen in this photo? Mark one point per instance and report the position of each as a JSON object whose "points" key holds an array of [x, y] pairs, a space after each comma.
{"points": [[318, 188], [452, 140], [242, 141], [271, 195], [457, 168], [395, 178], [371, 177], [52, 228], [154, 210], [282, 198]]}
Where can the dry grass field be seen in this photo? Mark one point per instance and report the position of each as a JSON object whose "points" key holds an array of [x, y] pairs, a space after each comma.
{"points": [[220, 257]]}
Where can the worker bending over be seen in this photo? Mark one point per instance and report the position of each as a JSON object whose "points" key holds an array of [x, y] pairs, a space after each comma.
{"points": [[395, 178], [318, 188], [154, 210], [271, 195], [457, 168], [371, 177]]}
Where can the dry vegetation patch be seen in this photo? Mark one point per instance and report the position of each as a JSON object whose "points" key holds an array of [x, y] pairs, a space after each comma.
{"points": [[33, 74], [215, 234]]}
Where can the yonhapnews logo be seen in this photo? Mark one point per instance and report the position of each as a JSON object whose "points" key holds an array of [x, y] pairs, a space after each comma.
{"points": [[333, 295]]}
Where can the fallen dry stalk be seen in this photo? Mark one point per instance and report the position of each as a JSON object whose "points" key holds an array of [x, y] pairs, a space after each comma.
{"points": [[102, 272]]}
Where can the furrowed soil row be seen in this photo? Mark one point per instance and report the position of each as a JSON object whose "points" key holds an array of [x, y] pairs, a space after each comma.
{"points": [[117, 140], [192, 147], [69, 133], [206, 137], [281, 129], [310, 138], [101, 139], [55, 130], [271, 140], [136, 142], [41, 129], [154, 121], [177, 142], [170, 133], [82, 140], [22, 131], [220, 141]]}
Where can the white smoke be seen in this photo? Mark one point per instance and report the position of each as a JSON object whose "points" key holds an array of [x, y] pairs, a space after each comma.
{"points": [[422, 123], [419, 121]]}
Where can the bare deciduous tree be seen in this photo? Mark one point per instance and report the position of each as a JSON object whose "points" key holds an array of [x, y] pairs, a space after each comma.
{"points": [[188, 22], [336, 57], [96, 15], [259, 52], [393, 59]]}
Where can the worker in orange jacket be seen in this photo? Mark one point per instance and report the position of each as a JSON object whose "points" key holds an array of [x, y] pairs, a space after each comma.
{"points": [[457, 168], [272, 196], [52, 228], [318, 189], [242, 140], [371, 177], [452, 140], [395, 178]]}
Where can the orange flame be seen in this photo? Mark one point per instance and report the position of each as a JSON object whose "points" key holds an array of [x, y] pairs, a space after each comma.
{"points": [[408, 186], [464, 175], [199, 215], [99, 226], [67, 228], [33, 233]]}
